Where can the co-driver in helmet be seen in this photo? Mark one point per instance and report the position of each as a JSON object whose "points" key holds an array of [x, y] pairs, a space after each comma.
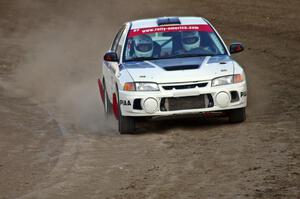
{"points": [[190, 40]]}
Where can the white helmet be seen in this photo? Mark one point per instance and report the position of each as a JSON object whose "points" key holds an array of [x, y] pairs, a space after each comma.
{"points": [[190, 40], [143, 46]]}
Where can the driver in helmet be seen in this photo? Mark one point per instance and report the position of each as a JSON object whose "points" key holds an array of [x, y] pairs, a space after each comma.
{"points": [[143, 46], [190, 40]]}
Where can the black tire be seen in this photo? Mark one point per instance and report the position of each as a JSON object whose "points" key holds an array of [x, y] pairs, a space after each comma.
{"points": [[237, 115], [126, 124]]}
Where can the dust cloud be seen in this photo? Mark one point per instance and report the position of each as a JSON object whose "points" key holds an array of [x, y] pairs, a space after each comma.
{"points": [[62, 61]]}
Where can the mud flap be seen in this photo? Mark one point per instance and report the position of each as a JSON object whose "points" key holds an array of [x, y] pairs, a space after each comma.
{"points": [[115, 106], [101, 89]]}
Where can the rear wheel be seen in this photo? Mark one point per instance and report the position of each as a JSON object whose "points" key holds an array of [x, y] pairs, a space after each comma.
{"points": [[237, 115], [126, 124]]}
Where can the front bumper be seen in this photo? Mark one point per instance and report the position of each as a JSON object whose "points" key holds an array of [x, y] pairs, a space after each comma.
{"points": [[128, 99]]}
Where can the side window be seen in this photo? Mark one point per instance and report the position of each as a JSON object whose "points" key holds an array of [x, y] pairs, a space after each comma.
{"points": [[121, 42], [217, 43], [117, 39]]}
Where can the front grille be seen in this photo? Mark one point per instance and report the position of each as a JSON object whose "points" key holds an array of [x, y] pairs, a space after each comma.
{"points": [[179, 87], [186, 103]]}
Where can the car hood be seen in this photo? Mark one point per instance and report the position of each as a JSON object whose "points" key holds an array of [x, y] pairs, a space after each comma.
{"points": [[180, 69]]}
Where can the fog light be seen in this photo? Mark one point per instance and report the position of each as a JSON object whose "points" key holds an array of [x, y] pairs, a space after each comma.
{"points": [[150, 105], [223, 99]]}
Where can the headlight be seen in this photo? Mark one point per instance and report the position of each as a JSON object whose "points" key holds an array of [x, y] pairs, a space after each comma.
{"points": [[145, 86], [230, 79], [140, 86]]}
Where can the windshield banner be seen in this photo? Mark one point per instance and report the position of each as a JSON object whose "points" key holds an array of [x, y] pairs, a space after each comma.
{"points": [[150, 30]]}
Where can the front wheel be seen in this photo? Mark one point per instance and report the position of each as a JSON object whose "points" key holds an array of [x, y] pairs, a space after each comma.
{"points": [[237, 115], [126, 124]]}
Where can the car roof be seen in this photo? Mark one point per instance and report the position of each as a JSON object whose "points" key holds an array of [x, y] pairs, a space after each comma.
{"points": [[153, 22]]}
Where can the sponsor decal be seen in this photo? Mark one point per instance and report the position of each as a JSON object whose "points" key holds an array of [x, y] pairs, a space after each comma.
{"points": [[150, 30], [125, 102]]}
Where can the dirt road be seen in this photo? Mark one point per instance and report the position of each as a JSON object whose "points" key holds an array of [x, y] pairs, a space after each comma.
{"points": [[55, 142]]}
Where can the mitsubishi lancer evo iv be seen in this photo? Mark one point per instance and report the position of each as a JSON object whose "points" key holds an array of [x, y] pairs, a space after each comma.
{"points": [[171, 66]]}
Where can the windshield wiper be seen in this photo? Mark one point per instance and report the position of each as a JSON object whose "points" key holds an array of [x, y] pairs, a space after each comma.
{"points": [[172, 57], [191, 55], [142, 58]]}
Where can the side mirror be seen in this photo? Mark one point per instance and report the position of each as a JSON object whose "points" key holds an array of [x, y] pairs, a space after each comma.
{"points": [[236, 48], [111, 56]]}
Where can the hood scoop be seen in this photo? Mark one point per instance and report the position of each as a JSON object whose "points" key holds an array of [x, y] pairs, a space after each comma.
{"points": [[181, 67]]}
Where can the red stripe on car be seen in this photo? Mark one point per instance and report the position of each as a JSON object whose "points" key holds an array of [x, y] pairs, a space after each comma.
{"points": [[101, 90], [115, 106]]}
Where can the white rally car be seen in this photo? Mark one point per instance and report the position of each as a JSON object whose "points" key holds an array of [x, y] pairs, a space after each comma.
{"points": [[171, 66]]}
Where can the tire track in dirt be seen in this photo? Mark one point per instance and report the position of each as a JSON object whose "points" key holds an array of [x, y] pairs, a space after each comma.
{"points": [[28, 161]]}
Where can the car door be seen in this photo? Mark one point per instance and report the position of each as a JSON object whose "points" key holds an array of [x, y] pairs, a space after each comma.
{"points": [[109, 68]]}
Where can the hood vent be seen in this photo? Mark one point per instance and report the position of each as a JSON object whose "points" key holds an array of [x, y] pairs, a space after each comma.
{"points": [[181, 67]]}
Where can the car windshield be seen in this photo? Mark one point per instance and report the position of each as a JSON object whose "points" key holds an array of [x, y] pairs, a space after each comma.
{"points": [[175, 41]]}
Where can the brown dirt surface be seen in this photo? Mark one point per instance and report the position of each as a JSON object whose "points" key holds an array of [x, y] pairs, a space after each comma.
{"points": [[55, 142]]}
